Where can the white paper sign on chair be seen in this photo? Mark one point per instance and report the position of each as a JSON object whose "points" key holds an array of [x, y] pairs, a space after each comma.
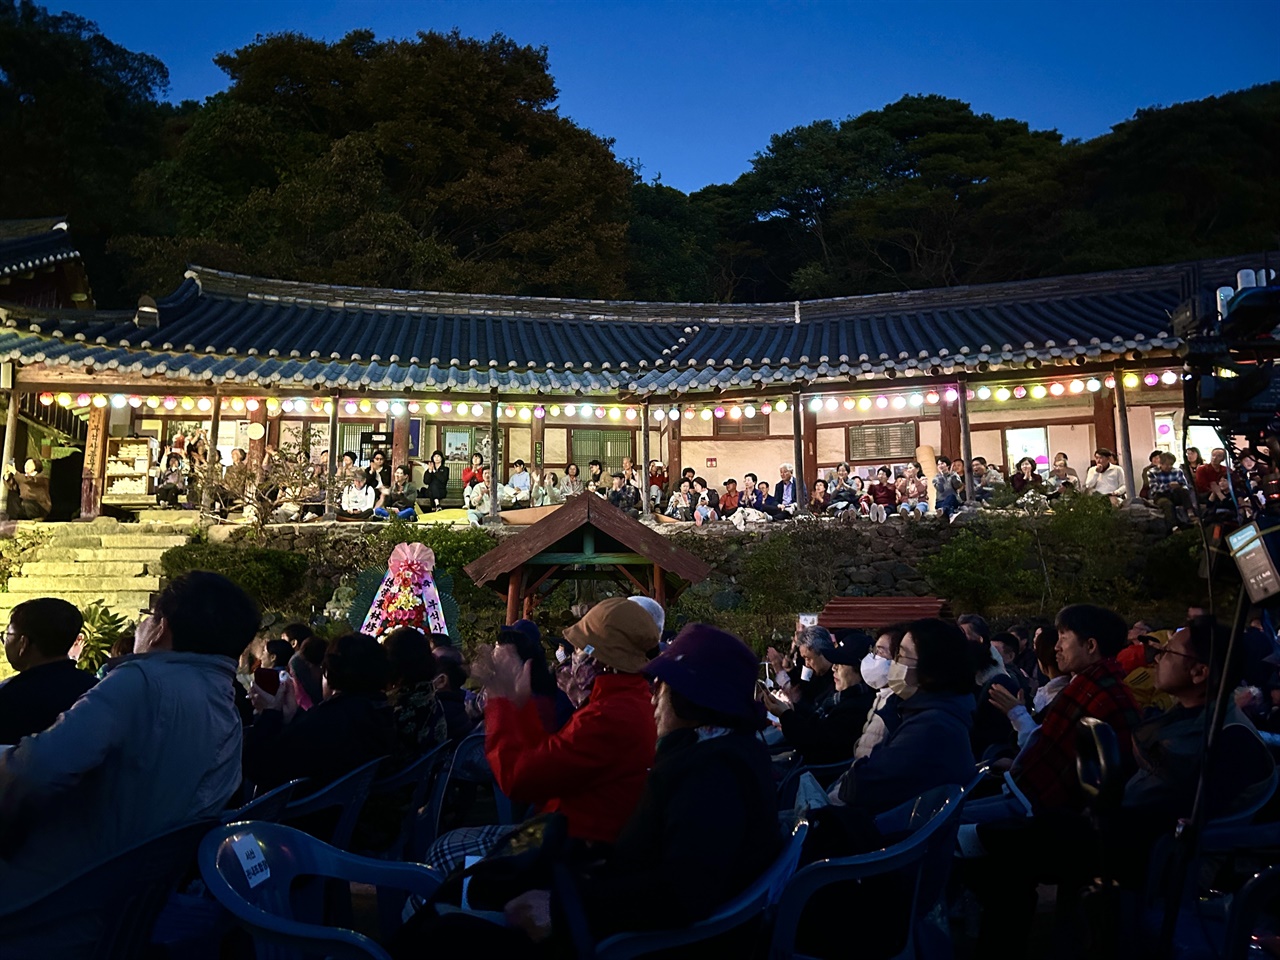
{"points": [[251, 859]]}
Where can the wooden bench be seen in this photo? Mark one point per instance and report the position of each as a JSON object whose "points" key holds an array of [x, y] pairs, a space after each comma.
{"points": [[844, 613]]}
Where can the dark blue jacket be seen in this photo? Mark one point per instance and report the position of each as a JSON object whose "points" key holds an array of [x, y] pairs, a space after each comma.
{"points": [[930, 748]]}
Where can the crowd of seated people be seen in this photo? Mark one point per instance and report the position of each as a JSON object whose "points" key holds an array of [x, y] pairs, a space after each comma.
{"points": [[661, 761]]}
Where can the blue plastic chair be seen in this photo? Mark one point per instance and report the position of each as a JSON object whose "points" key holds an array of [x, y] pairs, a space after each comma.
{"points": [[825, 773], [932, 820], [1247, 910], [470, 765], [270, 806], [108, 911], [747, 906], [347, 793], [422, 774], [283, 912]]}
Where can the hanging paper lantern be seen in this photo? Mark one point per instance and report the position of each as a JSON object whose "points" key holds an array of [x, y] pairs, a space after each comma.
{"points": [[317, 404], [916, 400], [1002, 394], [848, 403], [932, 397], [706, 413], [882, 402], [569, 410], [969, 394], [83, 400], [1130, 380], [508, 411], [224, 404], [135, 402], [631, 413], [366, 405], [864, 403], [414, 407], [719, 413], [951, 396], [1094, 385], [735, 413], [431, 408], [673, 413], [899, 402], [832, 403], [118, 401], [1057, 389], [815, 404], [554, 411], [615, 413], [1020, 391], [525, 413], [688, 413], [382, 406], [1151, 379], [237, 404], [748, 411], [477, 409], [539, 412], [397, 409], [766, 408], [204, 404], [984, 393], [601, 413], [328, 407], [351, 407], [64, 399], [446, 407], [251, 405], [1109, 382], [1038, 392], [170, 403], [659, 414], [287, 406], [188, 403], [781, 406], [46, 399], [1077, 386]]}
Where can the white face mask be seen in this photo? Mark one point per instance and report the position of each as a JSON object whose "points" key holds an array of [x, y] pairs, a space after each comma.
{"points": [[898, 680], [806, 673], [561, 656], [875, 671]]}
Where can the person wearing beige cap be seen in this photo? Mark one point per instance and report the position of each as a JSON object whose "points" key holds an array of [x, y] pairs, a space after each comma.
{"points": [[592, 770]]}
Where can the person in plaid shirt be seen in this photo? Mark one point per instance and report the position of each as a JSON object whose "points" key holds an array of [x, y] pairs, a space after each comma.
{"points": [[1169, 489], [1089, 638]]}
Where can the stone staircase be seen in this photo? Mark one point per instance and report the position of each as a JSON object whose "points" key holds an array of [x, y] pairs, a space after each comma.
{"points": [[118, 563]]}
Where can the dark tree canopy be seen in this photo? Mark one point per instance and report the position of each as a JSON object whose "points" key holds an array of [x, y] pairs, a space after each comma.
{"points": [[442, 162]]}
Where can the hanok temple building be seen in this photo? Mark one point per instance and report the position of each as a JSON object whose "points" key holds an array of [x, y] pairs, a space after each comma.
{"points": [[1028, 368]]}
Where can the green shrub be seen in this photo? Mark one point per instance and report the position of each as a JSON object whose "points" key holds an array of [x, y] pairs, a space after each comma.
{"points": [[977, 570], [102, 628], [271, 577]]}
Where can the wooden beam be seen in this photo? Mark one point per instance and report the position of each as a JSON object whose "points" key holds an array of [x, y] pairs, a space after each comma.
{"points": [[630, 576], [257, 448], [1104, 418], [646, 508], [330, 494], [807, 469], [674, 465], [949, 415], [592, 559], [966, 438], [1126, 448], [400, 440], [659, 585]]}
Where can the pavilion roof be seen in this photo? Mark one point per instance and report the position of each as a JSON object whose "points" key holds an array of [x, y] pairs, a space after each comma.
{"points": [[219, 328], [27, 245]]}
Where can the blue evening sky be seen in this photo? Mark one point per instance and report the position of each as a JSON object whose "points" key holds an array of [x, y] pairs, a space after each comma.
{"points": [[692, 90]]}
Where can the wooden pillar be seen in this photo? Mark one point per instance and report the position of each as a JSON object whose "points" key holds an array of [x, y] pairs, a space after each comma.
{"points": [[330, 494], [660, 585], [797, 448], [1104, 417], [949, 446], [674, 465], [966, 439], [515, 587], [400, 439], [498, 456], [807, 471], [538, 440], [1126, 448], [212, 474], [646, 508], [258, 448], [10, 440], [94, 476]]}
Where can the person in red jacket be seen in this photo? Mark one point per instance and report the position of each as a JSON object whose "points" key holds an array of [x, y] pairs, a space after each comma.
{"points": [[592, 770]]}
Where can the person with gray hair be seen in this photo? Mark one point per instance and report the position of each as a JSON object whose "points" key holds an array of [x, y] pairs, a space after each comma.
{"points": [[816, 691], [653, 608], [787, 491]]}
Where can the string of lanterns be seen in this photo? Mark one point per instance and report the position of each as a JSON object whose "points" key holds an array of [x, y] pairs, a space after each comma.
{"points": [[590, 411]]}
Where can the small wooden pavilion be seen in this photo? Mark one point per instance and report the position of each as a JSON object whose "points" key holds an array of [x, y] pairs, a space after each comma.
{"points": [[585, 539]]}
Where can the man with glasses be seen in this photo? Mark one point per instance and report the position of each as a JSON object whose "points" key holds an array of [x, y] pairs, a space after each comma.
{"points": [[154, 745], [37, 643]]}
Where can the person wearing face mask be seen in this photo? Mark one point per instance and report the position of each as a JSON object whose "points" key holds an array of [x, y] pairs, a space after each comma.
{"points": [[828, 734], [882, 718], [933, 676]]}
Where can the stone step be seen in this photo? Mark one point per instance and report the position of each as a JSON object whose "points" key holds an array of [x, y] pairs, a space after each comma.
{"points": [[84, 568], [57, 586], [128, 605], [158, 540], [92, 554]]}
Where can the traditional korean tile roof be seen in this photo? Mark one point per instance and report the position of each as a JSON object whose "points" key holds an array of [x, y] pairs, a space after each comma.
{"points": [[27, 245], [222, 328]]}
